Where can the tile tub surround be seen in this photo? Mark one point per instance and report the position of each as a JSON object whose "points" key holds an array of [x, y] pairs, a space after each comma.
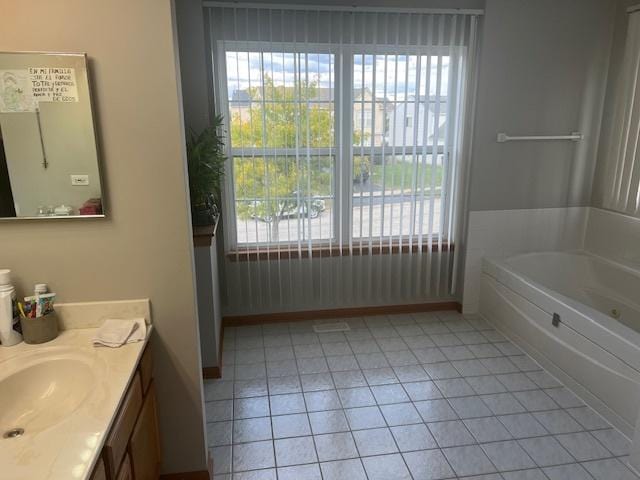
{"points": [[614, 236], [69, 449], [502, 233], [416, 396]]}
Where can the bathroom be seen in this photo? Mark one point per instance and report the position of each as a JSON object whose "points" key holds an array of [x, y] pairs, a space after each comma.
{"points": [[311, 240]]}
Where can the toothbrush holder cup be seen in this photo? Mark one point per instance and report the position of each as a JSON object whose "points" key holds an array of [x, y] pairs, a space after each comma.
{"points": [[40, 329]]}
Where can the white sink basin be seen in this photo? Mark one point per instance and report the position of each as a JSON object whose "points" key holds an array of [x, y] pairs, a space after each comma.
{"points": [[40, 390], [65, 396]]}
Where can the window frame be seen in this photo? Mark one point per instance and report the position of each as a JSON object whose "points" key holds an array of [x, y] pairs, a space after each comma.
{"points": [[343, 151], [229, 194]]}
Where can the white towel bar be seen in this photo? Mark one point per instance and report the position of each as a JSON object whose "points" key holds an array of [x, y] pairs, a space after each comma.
{"points": [[575, 136]]}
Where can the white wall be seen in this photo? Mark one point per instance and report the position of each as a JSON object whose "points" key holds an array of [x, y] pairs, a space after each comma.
{"points": [[144, 249], [400, 133], [614, 236]]}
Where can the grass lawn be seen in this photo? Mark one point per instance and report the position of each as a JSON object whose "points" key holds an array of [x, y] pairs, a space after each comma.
{"points": [[395, 172]]}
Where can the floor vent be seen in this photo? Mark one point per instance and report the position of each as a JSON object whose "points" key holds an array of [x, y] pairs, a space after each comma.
{"points": [[331, 327]]}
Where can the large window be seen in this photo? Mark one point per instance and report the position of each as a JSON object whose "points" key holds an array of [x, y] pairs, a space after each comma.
{"points": [[281, 111], [335, 143], [399, 157]]}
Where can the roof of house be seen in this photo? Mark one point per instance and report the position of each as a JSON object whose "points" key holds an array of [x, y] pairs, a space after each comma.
{"points": [[322, 94], [241, 97]]}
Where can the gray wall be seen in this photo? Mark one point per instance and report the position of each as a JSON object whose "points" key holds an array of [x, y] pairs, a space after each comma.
{"points": [[144, 248], [196, 101], [542, 71], [617, 53], [195, 66], [193, 63], [209, 305], [382, 3]]}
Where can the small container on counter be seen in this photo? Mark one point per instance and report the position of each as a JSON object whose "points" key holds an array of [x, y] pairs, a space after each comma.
{"points": [[40, 323], [39, 329]]}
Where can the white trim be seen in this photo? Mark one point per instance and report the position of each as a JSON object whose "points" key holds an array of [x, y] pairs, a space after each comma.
{"points": [[343, 233], [333, 48], [503, 137], [339, 8], [634, 8], [329, 151]]}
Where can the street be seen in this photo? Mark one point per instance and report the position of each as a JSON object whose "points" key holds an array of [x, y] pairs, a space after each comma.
{"points": [[395, 218]]}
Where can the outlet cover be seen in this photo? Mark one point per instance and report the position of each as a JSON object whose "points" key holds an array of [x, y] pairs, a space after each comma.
{"points": [[79, 180]]}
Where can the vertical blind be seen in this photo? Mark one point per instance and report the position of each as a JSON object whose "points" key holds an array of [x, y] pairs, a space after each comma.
{"points": [[345, 138], [623, 180]]}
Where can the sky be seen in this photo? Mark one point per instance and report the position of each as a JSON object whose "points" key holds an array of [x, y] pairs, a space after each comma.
{"points": [[244, 70]]}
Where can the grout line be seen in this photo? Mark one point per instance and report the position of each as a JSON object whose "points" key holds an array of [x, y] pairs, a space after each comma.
{"points": [[368, 326], [306, 408]]}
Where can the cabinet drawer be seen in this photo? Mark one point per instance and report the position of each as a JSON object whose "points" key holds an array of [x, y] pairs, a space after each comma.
{"points": [[144, 447], [99, 472], [146, 368], [125, 469], [116, 445]]}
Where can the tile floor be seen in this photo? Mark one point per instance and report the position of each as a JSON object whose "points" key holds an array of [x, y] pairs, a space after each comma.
{"points": [[422, 396]]}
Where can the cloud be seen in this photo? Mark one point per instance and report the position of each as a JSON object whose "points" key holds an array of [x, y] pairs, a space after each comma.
{"points": [[244, 70]]}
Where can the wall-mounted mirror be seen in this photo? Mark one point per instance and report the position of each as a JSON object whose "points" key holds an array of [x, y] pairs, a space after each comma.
{"points": [[48, 153]]}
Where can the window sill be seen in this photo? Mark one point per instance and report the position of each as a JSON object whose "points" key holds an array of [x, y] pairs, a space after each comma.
{"points": [[321, 251]]}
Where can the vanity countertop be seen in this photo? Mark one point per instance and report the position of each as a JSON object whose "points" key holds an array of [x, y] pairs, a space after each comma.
{"points": [[85, 383]]}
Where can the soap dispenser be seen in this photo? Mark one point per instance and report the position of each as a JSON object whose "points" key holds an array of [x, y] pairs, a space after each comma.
{"points": [[9, 318]]}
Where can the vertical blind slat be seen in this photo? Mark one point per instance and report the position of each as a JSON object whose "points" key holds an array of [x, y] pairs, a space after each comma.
{"points": [[622, 193], [425, 133], [265, 161], [452, 106]]}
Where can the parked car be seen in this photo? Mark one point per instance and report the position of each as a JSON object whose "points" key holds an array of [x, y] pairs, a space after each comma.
{"points": [[290, 208]]}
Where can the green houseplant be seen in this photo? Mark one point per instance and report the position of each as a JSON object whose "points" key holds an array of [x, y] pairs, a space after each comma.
{"points": [[205, 161]]}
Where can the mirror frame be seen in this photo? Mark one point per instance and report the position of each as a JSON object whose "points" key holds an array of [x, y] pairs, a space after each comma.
{"points": [[95, 139]]}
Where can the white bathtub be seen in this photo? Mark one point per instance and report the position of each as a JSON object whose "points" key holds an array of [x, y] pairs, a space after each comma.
{"points": [[595, 348]]}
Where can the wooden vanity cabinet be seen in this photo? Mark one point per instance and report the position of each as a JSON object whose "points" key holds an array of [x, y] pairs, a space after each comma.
{"points": [[99, 471], [132, 448], [125, 469], [144, 445]]}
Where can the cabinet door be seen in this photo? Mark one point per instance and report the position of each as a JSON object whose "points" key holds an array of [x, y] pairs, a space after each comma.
{"points": [[116, 445], [99, 472], [144, 445], [146, 368], [125, 469]]}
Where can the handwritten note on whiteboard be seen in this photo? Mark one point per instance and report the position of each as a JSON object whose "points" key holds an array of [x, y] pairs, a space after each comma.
{"points": [[53, 84], [22, 90]]}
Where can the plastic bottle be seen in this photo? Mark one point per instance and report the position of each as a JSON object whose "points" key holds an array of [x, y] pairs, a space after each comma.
{"points": [[9, 317]]}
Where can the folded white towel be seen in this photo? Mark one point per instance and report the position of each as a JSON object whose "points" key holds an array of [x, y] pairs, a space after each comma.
{"points": [[115, 333]]}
